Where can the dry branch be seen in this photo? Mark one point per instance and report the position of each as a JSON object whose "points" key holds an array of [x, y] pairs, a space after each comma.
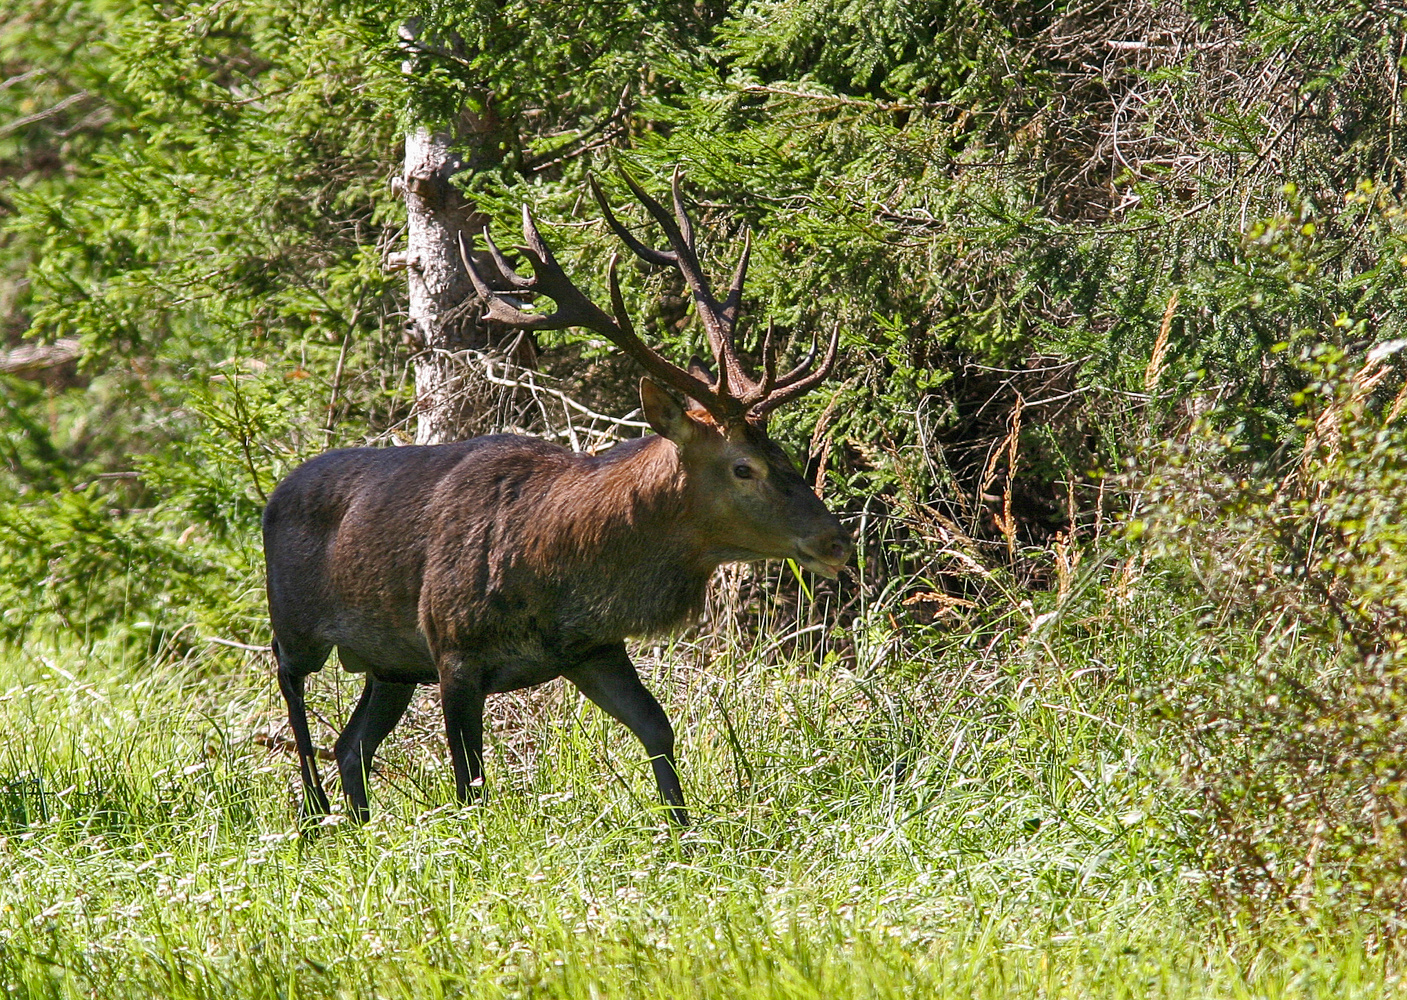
{"points": [[31, 359]]}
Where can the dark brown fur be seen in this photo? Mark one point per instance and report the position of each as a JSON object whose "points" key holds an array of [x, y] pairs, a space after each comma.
{"points": [[504, 562]]}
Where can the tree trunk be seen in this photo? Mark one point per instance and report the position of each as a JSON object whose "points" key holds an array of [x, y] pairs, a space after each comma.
{"points": [[443, 308], [453, 397]]}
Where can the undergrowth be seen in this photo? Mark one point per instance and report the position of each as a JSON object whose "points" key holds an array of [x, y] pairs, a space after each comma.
{"points": [[1289, 727], [986, 816]]}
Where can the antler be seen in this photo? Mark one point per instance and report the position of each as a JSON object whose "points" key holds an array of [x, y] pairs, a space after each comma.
{"points": [[732, 395], [575, 309]]}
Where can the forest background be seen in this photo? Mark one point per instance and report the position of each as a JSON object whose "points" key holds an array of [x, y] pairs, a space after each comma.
{"points": [[1115, 423]]}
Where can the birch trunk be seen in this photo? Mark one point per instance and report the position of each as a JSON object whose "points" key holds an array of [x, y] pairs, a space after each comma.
{"points": [[443, 309], [453, 398]]}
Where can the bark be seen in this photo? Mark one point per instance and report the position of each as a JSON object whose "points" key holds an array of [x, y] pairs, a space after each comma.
{"points": [[443, 308], [453, 399], [31, 360], [55, 365]]}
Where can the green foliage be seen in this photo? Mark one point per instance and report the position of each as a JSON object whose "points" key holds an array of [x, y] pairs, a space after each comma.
{"points": [[91, 556], [73, 561], [225, 216], [1290, 731], [951, 826]]}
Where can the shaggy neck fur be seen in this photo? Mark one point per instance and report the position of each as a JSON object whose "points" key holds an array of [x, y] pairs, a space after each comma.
{"points": [[621, 532]]}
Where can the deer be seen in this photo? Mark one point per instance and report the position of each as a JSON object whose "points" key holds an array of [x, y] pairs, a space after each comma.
{"points": [[506, 561]]}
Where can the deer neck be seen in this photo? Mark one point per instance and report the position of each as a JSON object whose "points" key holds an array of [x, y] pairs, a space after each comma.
{"points": [[650, 486], [631, 556]]}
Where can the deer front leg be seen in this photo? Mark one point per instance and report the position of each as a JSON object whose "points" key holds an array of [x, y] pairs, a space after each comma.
{"points": [[462, 700], [610, 680]]}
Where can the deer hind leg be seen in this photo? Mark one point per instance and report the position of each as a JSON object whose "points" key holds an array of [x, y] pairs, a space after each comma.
{"points": [[292, 669], [462, 700], [609, 679], [381, 706]]}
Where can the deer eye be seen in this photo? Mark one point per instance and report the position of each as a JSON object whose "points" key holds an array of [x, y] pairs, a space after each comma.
{"points": [[742, 470]]}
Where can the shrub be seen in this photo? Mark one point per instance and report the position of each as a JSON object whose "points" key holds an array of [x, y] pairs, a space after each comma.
{"points": [[1292, 732]]}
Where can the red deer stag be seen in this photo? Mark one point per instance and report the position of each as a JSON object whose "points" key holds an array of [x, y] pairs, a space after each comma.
{"points": [[502, 562]]}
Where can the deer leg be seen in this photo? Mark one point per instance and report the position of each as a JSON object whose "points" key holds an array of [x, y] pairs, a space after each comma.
{"points": [[380, 708], [291, 672], [609, 679], [462, 700]]}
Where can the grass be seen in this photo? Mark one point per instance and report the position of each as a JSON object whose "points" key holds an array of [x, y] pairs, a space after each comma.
{"points": [[981, 818]]}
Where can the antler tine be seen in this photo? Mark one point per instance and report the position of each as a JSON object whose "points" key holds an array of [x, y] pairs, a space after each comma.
{"points": [[535, 243], [735, 291], [769, 364], [799, 370], [513, 277], [802, 385], [657, 212], [660, 258], [617, 299]]}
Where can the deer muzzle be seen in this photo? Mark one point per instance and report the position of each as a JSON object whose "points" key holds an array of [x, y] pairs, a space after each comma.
{"points": [[827, 553]]}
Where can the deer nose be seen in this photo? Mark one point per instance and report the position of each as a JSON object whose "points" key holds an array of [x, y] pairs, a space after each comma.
{"points": [[831, 547]]}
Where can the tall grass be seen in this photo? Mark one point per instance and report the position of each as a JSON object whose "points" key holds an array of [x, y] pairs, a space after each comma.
{"points": [[982, 818]]}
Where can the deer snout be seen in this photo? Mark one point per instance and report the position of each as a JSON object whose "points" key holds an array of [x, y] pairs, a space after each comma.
{"points": [[827, 552]]}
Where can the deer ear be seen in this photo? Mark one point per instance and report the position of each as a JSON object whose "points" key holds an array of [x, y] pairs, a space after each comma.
{"points": [[665, 416]]}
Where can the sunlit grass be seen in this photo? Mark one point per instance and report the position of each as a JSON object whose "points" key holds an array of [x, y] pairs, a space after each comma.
{"points": [[985, 819]]}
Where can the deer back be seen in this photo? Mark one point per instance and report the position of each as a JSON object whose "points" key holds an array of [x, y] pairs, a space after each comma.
{"points": [[389, 551]]}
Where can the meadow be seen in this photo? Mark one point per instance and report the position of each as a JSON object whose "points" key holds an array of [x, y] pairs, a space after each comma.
{"points": [[986, 814]]}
